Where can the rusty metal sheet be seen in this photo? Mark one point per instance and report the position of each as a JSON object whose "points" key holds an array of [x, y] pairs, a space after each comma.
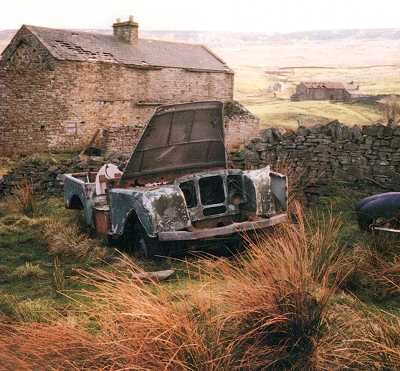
{"points": [[223, 231], [179, 138], [102, 220]]}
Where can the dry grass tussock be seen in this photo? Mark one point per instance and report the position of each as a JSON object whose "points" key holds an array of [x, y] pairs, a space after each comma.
{"points": [[58, 274], [279, 292], [68, 240], [375, 273], [136, 326], [21, 346], [273, 307], [381, 333], [5, 165], [27, 310], [28, 271], [13, 222], [24, 199], [370, 337]]}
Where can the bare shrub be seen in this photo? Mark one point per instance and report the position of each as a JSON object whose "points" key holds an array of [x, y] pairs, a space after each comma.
{"points": [[298, 179]]}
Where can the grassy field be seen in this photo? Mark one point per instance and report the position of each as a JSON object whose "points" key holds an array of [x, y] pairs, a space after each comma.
{"points": [[253, 83], [374, 65], [315, 294], [284, 113], [41, 249]]}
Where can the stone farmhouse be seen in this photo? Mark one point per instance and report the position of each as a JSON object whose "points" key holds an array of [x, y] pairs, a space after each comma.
{"points": [[321, 90], [58, 87]]}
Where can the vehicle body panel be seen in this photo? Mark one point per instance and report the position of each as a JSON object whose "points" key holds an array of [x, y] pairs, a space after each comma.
{"points": [[76, 188], [382, 205], [223, 231], [179, 138], [160, 209]]}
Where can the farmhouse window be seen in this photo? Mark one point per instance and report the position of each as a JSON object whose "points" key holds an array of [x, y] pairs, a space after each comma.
{"points": [[71, 128]]}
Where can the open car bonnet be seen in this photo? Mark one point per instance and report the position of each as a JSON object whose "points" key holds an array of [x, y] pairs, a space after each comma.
{"points": [[179, 138]]}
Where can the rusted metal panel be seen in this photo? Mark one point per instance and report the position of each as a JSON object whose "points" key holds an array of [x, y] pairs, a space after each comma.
{"points": [[198, 211], [179, 138], [162, 208], [79, 185], [222, 231], [279, 191], [257, 187], [102, 220]]}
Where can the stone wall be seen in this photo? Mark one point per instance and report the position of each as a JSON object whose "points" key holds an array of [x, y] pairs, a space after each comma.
{"points": [[29, 109], [58, 105], [120, 140], [332, 151], [240, 126]]}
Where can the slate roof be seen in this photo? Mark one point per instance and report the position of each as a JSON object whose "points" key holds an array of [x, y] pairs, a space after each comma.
{"points": [[85, 46], [323, 84]]}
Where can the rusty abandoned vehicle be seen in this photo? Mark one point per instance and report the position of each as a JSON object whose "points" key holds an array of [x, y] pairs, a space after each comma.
{"points": [[176, 189]]}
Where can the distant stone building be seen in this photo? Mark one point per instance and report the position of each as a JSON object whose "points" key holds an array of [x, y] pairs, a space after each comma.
{"points": [[321, 90], [57, 87]]}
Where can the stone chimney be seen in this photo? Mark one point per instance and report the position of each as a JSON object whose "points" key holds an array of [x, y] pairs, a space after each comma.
{"points": [[127, 32]]}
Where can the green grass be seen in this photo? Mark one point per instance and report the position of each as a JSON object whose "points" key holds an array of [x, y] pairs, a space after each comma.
{"points": [[26, 266], [216, 288], [339, 199], [253, 82], [30, 275], [284, 113], [38, 286]]}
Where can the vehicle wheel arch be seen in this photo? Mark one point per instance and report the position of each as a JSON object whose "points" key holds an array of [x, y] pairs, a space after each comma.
{"points": [[75, 203], [132, 218], [134, 230]]}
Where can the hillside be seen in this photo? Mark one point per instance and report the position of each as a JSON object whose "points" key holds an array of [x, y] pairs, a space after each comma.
{"points": [[229, 39]]}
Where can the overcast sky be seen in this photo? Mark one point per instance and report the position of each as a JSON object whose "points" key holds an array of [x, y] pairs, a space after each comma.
{"points": [[213, 15]]}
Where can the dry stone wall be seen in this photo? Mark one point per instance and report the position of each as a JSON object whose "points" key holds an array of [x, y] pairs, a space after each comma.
{"points": [[45, 172], [240, 125], [329, 152]]}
